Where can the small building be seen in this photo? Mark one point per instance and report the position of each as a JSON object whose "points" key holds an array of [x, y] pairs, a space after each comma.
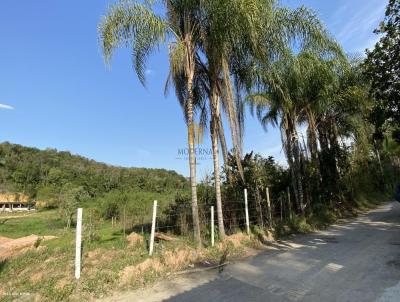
{"points": [[14, 202]]}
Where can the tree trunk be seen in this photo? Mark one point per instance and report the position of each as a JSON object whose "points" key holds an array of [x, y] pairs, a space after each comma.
{"points": [[312, 137], [300, 193], [334, 144], [192, 156], [327, 163], [214, 141], [293, 156], [288, 143], [224, 149], [313, 148]]}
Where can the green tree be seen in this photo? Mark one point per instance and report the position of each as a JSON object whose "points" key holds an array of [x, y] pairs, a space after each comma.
{"points": [[69, 199], [296, 90], [382, 66]]}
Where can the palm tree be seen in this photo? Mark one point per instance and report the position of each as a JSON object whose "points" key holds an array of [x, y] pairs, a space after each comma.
{"points": [[136, 25], [222, 25], [236, 36], [276, 105], [294, 91]]}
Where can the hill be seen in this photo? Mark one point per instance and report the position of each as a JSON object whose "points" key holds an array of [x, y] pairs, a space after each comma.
{"points": [[42, 175]]}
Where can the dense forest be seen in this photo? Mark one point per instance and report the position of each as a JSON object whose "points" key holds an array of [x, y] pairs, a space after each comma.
{"points": [[47, 175]]}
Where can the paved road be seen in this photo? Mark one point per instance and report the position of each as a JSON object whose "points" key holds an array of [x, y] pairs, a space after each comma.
{"points": [[356, 260]]}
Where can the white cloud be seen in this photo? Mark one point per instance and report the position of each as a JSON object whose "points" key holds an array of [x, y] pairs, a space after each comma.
{"points": [[148, 71], [4, 106]]}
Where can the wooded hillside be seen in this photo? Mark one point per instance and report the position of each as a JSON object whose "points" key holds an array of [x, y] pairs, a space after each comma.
{"points": [[42, 174]]}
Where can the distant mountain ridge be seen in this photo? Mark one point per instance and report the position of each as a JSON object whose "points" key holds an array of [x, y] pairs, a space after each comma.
{"points": [[41, 174]]}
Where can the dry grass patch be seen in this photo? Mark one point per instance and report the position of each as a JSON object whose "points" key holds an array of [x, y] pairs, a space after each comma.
{"points": [[179, 258], [133, 273], [36, 277]]}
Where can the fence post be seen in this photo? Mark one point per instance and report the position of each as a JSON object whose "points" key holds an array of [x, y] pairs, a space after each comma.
{"points": [[269, 208], [212, 225], [125, 220], [246, 211], [78, 243], [153, 228], [258, 198]]}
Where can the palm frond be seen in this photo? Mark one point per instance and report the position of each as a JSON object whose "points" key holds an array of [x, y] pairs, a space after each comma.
{"points": [[133, 25]]}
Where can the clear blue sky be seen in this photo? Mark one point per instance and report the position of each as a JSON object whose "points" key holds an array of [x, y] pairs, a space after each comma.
{"points": [[55, 90]]}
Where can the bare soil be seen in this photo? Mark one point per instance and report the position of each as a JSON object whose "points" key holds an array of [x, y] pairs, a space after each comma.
{"points": [[11, 247]]}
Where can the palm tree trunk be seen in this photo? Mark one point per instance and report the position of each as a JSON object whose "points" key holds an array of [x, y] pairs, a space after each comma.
{"points": [[224, 149], [192, 156], [217, 180], [300, 193], [287, 143], [193, 184], [311, 136], [293, 156]]}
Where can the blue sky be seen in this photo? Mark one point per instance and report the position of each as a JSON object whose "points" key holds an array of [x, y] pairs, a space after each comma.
{"points": [[56, 92]]}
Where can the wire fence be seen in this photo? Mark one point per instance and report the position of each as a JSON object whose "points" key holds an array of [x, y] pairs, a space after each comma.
{"points": [[176, 219]]}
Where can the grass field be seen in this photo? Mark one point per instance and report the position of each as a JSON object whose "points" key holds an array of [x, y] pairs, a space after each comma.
{"points": [[46, 272]]}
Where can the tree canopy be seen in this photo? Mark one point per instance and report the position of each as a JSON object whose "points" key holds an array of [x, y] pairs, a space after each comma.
{"points": [[382, 66]]}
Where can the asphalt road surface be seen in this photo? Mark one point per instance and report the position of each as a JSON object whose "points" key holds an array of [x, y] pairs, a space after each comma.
{"points": [[354, 260]]}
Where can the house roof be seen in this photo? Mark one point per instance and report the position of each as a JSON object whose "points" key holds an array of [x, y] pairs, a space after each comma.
{"points": [[13, 198]]}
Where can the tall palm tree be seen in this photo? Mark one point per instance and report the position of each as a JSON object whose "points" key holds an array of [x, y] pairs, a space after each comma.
{"points": [[136, 25], [294, 92], [222, 25], [236, 36], [277, 105]]}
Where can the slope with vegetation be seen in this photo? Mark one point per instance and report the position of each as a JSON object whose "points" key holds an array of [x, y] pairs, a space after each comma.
{"points": [[60, 177]]}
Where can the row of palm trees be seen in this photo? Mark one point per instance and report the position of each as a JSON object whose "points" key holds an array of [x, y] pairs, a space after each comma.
{"points": [[328, 96], [220, 51]]}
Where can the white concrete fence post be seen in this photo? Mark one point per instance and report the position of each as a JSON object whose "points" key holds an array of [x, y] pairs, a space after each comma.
{"points": [[246, 205], [212, 225], [269, 208], [153, 228], [78, 244]]}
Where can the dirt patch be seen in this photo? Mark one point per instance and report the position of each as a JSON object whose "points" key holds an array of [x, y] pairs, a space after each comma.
{"points": [[9, 248], [4, 240], [63, 282], [93, 254]]}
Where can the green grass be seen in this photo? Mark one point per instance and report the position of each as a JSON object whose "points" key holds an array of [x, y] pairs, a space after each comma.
{"points": [[47, 270], [38, 223], [54, 258]]}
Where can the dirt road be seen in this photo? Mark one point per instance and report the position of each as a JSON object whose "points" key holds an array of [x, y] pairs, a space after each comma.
{"points": [[355, 260]]}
